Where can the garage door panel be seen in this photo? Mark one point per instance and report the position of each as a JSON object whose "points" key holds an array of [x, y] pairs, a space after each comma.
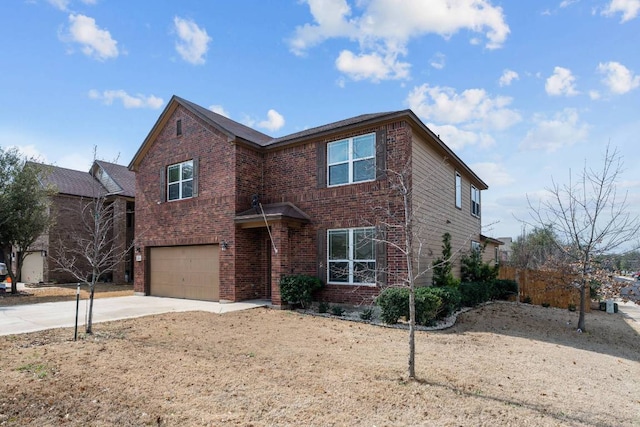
{"points": [[189, 272]]}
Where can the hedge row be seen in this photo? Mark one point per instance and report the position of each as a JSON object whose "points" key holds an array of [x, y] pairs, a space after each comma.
{"points": [[434, 303]]}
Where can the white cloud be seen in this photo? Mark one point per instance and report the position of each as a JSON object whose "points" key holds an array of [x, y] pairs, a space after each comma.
{"points": [[273, 122], [90, 2], [628, 8], [507, 77], [567, 3], [128, 101], [60, 4], [384, 28], [96, 42], [594, 95], [618, 78], [457, 138], [473, 107], [219, 110], [438, 61], [371, 66], [550, 134], [494, 174], [193, 41], [562, 82]]}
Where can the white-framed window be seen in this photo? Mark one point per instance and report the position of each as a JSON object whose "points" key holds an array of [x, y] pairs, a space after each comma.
{"points": [[180, 181], [475, 246], [458, 191], [351, 256], [351, 160], [475, 201]]}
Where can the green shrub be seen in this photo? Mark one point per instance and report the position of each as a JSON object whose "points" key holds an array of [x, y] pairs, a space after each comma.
{"points": [[367, 314], [504, 288], [546, 304], [336, 310], [428, 305], [298, 289], [323, 307], [472, 269], [475, 293], [526, 300], [451, 299], [394, 304]]}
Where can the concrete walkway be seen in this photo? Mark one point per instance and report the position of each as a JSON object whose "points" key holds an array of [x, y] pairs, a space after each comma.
{"points": [[19, 319], [631, 311]]}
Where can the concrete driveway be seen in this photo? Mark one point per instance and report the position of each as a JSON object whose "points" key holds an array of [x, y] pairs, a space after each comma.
{"points": [[19, 319]]}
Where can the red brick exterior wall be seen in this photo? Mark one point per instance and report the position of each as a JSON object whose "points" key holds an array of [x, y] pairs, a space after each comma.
{"points": [[231, 173], [67, 211], [205, 219]]}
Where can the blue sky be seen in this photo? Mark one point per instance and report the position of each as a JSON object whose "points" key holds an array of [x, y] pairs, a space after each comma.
{"points": [[522, 91]]}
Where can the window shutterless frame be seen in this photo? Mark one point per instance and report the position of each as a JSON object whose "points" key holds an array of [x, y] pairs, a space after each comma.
{"points": [[475, 201], [458, 191]]}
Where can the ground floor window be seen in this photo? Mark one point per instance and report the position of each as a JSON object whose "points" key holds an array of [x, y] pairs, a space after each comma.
{"points": [[351, 256]]}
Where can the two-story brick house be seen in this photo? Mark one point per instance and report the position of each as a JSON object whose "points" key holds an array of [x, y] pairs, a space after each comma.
{"points": [[223, 211], [74, 189]]}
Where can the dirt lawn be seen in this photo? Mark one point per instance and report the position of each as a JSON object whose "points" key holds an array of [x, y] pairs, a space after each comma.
{"points": [[503, 364], [33, 294]]}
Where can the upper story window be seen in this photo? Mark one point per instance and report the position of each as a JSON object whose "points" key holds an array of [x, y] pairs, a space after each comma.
{"points": [[180, 181], [352, 256], [178, 127], [352, 160], [476, 246], [458, 191], [475, 201]]}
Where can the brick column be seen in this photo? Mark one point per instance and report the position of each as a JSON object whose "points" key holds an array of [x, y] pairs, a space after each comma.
{"points": [[279, 261]]}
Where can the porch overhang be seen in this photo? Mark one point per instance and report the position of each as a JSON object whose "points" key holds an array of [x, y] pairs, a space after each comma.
{"points": [[271, 213]]}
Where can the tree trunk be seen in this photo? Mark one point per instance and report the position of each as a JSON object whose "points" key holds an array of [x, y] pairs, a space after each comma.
{"points": [[412, 332], [89, 328], [583, 305]]}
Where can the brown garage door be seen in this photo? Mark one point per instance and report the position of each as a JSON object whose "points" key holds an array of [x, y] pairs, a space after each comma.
{"points": [[189, 272]]}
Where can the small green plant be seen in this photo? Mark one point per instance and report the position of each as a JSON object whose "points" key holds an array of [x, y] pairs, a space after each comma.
{"points": [[367, 314], [572, 307], [38, 369], [336, 310], [298, 289], [546, 305], [323, 307], [527, 299]]}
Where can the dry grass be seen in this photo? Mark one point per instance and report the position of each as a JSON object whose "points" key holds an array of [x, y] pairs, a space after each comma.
{"points": [[34, 294], [500, 365]]}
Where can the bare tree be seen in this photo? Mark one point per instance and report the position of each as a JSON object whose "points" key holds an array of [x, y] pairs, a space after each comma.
{"points": [[94, 247], [409, 231], [588, 218]]}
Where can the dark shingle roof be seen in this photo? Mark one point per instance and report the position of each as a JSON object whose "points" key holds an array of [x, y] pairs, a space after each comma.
{"points": [[72, 182], [78, 183], [122, 176], [331, 127], [230, 126]]}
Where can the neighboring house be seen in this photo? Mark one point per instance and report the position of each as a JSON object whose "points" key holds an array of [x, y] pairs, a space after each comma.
{"points": [[223, 211], [491, 253], [74, 190], [506, 249]]}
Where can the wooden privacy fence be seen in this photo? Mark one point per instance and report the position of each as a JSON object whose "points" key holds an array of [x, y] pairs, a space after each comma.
{"points": [[544, 287]]}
